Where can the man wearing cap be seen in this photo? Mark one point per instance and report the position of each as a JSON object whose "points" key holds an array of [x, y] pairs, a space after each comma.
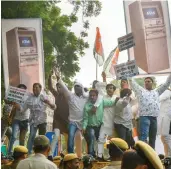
{"points": [[39, 160], [148, 102], [116, 148], [20, 153], [71, 161], [76, 102], [142, 157]]}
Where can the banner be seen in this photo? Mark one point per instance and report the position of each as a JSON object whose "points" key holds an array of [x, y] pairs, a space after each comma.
{"points": [[150, 24], [16, 95], [98, 49], [22, 50], [126, 70]]}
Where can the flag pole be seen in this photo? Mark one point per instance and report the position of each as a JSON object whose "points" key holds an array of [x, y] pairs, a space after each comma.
{"points": [[96, 68]]}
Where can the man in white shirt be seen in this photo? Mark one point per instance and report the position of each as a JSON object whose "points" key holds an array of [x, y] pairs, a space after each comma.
{"points": [[39, 160], [148, 100]]}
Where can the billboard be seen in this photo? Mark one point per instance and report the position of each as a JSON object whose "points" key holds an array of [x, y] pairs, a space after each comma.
{"points": [[22, 47], [149, 22]]}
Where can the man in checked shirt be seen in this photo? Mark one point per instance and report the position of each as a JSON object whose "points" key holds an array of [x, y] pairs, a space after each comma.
{"points": [[148, 102], [37, 103]]}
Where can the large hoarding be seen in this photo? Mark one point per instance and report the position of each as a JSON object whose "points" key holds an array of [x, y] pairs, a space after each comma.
{"points": [[22, 46], [149, 22]]}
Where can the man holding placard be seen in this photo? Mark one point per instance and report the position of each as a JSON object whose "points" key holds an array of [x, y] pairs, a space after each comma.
{"points": [[148, 101]]}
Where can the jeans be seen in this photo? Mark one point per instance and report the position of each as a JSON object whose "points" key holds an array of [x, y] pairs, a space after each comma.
{"points": [[71, 135], [18, 126], [148, 128], [33, 131], [91, 134], [125, 134]]}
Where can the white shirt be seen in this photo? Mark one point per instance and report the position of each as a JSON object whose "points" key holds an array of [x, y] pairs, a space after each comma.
{"points": [[108, 115], [38, 161], [37, 108], [148, 100]]}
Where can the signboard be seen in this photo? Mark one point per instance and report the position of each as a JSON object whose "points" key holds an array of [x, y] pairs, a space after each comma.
{"points": [[150, 24], [126, 42], [16, 95], [22, 51], [126, 70]]}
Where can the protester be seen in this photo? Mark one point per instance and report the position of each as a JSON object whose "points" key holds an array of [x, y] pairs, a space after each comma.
{"points": [[93, 121], [164, 121], [76, 102], [123, 118], [20, 153], [107, 128], [39, 160], [148, 100], [88, 162], [71, 161], [61, 113], [116, 148], [143, 157], [37, 103], [19, 124]]}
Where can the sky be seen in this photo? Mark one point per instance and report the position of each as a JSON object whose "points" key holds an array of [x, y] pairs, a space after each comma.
{"points": [[111, 22]]}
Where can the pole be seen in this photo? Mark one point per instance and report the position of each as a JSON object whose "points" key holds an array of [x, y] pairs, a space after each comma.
{"points": [[96, 67]]}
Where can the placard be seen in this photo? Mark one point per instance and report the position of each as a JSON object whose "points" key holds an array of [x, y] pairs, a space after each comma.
{"points": [[126, 70], [126, 42], [16, 95]]}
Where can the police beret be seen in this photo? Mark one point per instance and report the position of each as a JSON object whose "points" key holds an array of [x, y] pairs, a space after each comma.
{"points": [[120, 143], [150, 154], [41, 140], [21, 149], [71, 156]]}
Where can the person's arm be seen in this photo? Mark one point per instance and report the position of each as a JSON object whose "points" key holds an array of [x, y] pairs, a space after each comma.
{"points": [[85, 117], [51, 105], [65, 90], [166, 95], [108, 102], [123, 102], [135, 87], [164, 86], [50, 86]]}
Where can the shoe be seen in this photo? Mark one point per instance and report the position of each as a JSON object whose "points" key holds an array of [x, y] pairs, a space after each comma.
{"points": [[99, 159]]}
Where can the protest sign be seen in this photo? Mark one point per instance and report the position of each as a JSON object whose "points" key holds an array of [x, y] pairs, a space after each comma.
{"points": [[16, 95], [126, 70], [126, 42]]}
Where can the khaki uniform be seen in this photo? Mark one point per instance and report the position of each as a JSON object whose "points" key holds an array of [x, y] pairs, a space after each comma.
{"points": [[12, 165], [113, 165]]}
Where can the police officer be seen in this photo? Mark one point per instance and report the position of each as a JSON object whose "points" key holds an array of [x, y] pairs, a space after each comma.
{"points": [[116, 148], [71, 161], [142, 157], [20, 153]]}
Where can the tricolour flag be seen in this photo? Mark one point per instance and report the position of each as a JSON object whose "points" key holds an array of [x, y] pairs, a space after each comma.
{"points": [[98, 49], [112, 60]]}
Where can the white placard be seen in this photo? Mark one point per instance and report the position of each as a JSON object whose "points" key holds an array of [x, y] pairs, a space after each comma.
{"points": [[16, 95], [126, 42], [126, 70]]}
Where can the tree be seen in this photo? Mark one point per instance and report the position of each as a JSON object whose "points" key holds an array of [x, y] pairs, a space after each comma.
{"points": [[59, 42]]}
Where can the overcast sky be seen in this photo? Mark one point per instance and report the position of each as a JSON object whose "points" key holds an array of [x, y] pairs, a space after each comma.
{"points": [[111, 22]]}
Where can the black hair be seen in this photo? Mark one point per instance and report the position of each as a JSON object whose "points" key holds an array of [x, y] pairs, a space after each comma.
{"points": [[94, 83], [22, 86], [18, 155], [149, 78], [125, 92], [131, 159], [110, 84], [35, 84], [94, 90], [40, 148], [85, 89], [114, 151]]}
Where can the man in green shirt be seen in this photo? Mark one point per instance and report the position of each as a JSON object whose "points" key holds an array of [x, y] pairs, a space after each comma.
{"points": [[93, 121]]}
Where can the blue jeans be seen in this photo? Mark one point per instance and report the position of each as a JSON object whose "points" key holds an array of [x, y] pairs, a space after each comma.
{"points": [[91, 134], [148, 128], [18, 126], [71, 135], [33, 131]]}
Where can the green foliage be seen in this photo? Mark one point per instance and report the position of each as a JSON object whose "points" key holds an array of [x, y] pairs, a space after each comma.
{"points": [[60, 44]]}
